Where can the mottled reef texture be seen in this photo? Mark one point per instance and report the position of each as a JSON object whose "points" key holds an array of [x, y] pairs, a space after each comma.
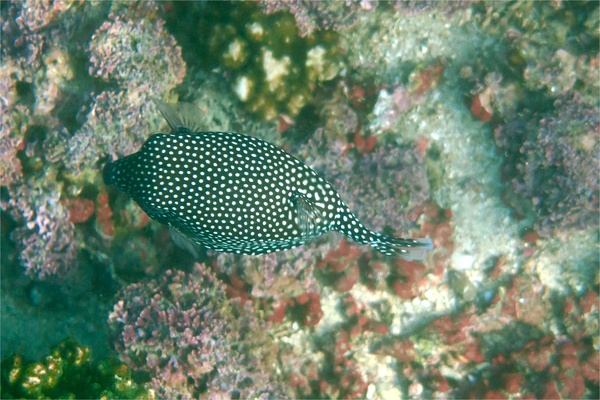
{"points": [[473, 123]]}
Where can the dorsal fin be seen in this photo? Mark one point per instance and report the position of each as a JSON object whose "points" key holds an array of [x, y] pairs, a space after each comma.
{"points": [[182, 117]]}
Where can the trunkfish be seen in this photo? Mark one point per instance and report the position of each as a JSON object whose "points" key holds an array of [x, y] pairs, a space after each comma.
{"points": [[235, 193]]}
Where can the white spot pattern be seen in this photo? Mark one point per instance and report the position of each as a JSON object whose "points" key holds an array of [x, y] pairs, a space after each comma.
{"points": [[239, 194]]}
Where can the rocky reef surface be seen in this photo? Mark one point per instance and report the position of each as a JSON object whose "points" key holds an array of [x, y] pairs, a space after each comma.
{"points": [[474, 123]]}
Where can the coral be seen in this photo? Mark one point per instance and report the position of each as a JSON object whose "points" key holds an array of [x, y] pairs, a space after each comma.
{"points": [[79, 209], [68, 372], [273, 70], [335, 373], [339, 114], [405, 277], [144, 61], [306, 309], [552, 165], [389, 59], [528, 342], [376, 186], [390, 108], [117, 124], [45, 235], [191, 339], [340, 266], [312, 16], [37, 59], [128, 52], [12, 134], [549, 46], [50, 150], [398, 105], [276, 275]]}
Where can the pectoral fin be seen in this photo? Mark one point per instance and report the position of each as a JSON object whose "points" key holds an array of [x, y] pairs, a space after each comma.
{"points": [[309, 219]]}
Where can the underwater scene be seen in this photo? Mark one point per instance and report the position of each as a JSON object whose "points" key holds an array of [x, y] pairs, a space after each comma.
{"points": [[300, 199]]}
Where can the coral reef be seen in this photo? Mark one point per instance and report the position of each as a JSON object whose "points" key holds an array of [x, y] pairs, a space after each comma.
{"points": [[144, 61], [48, 155], [273, 70], [56, 268], [472, 123], [549, 47], [312, 16], [191, 339], [45, 233], [275, 275], [553, 165], [68, 372]]}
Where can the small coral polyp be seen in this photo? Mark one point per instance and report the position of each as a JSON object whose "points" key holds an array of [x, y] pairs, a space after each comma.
{"points": [[273, 70]]}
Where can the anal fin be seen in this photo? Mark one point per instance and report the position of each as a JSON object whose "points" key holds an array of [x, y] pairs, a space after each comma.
{"points": [[185, 242]]}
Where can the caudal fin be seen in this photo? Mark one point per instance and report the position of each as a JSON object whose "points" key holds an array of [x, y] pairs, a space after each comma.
{"points": [[409, 249]]}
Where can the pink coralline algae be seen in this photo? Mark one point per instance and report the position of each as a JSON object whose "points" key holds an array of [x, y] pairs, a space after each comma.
{"points": [[275, 275], [314, 15], [192, 340], [380, 187], [60, 120], [143, 59], [45, 236], [553, 165]]}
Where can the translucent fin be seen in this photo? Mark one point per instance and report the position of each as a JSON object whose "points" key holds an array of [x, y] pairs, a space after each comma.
{"points": [[182, 117], [408, 249], [185, 242], [308, 218]]}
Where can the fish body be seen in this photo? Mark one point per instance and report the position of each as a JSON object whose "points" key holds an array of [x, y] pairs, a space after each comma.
{"points": [[235, 193]]}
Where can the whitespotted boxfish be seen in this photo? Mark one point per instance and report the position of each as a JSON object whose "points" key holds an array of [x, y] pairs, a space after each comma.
{"points": [[235, 193]]}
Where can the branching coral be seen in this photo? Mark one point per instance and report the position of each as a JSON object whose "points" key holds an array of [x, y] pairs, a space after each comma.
{"points": [[183, 330], [45, 235], [48, 152]]}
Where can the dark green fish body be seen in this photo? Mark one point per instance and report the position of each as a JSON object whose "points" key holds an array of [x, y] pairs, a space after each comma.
{"points": [[235, 193]]}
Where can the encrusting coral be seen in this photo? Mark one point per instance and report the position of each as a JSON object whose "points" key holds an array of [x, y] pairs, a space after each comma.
{"points": [[69, 372]]}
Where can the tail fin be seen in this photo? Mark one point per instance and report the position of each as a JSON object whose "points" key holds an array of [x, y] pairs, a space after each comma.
{"points": [[409, 249]]}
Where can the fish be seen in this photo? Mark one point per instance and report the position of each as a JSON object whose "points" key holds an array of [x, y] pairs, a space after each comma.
{"points": [[235, 193]]}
